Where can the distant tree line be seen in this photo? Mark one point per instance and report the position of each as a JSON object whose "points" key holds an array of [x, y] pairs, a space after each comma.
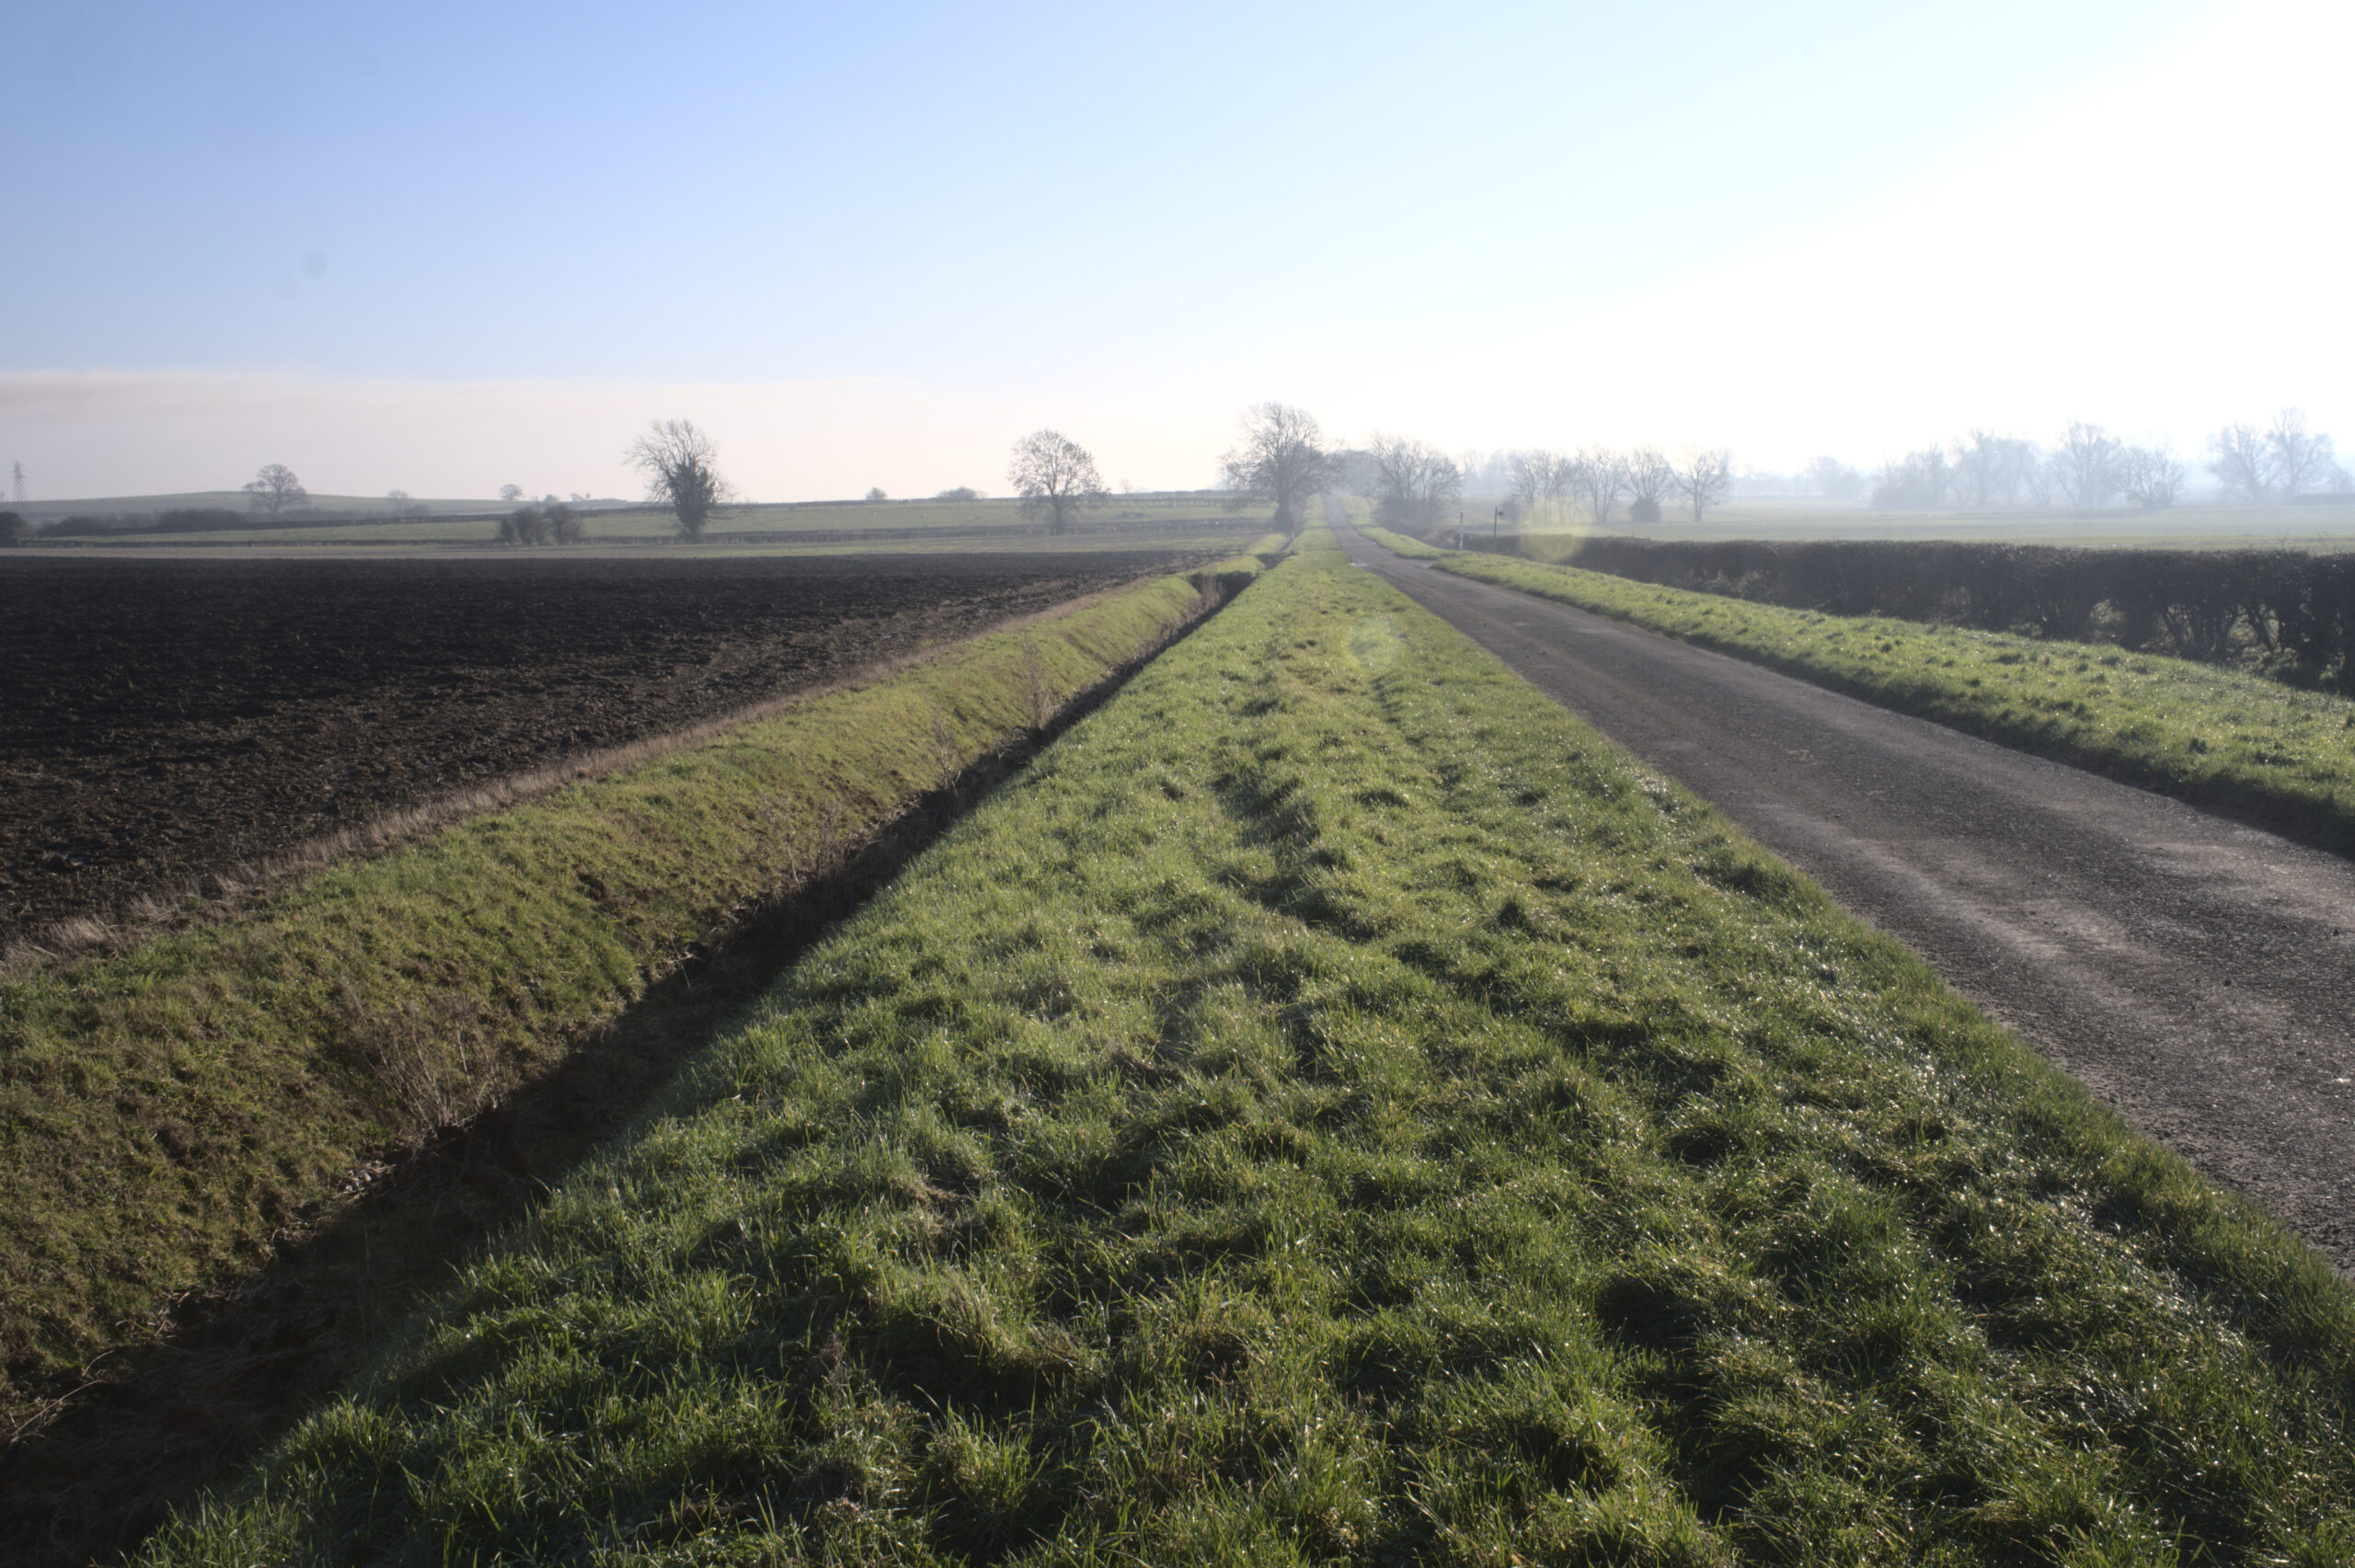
{"points": [[1413, 485], [2087, 468], [2291, 610]]}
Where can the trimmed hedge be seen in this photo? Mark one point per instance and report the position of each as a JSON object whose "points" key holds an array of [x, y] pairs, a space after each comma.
{"points": [[2296, 608]]}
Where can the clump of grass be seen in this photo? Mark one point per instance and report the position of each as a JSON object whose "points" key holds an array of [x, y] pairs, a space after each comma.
{"points": [[165, 1111], [1332, 1109], [1399, 543], [2224, 739]]}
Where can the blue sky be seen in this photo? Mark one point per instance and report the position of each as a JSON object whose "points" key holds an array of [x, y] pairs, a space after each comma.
{"points": [[887, 240]]}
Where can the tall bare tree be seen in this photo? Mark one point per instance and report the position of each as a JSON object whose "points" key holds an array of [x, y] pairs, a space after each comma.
{"points": [[1562, 478], [679, 465], [1599, 477], [1650, 474], [1533, 475], [1834, 480], [1704, 475], [2236, 457], [1414, 482], [1283, 458], [1920, 481], [275, 488], [1055, 477], [2296, 459], [2151, 476], [2084, 464]]}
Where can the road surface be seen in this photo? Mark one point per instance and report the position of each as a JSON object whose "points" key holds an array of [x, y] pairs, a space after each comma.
{"points": [[2196, 974]]}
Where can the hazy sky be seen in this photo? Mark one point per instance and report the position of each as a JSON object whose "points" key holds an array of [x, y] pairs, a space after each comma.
{"points": [[445, 247]]}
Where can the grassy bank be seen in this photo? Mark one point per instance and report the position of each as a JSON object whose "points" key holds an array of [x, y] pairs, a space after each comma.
{"points": [[1331, 1108], [2222, 739], [165, 1113]]}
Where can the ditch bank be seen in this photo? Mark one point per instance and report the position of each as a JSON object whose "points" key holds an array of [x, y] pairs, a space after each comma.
{"points": [[175, 1117]]}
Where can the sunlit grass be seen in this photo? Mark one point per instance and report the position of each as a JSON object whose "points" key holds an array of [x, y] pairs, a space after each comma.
{"points": [[2220, 738], [1332, 1109], [163, 1111]]}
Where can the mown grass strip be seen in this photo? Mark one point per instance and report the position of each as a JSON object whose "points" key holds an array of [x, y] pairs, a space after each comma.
{"points": [[164, 1113], [2233, 741], [1332, 1108]]}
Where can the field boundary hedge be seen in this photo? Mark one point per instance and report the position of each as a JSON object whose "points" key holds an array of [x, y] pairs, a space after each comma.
{"points": [[2294, 608], [2225, 739], [170, 1115]]}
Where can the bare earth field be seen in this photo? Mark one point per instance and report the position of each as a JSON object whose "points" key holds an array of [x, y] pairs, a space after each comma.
{"points": [[160, 721]]}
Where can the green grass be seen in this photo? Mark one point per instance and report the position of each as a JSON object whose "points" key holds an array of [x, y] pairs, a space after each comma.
{"points": [[1403, 545], [1333, 1109], [163, 1113], [2223, 738]]}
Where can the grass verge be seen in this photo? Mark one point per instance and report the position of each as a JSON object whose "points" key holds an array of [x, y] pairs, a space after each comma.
{"points": [[1334, 1108], [2235, 742], [172, 1114]]}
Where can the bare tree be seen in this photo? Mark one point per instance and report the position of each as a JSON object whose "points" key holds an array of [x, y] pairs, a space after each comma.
{"points": [[1055, 479], [1704, 475], [2236, 457], [2151, 476], [1533, 476], [1978, 469], [14, 529], [1650, 474], [1415, 483], [510, 492], [1562, 478], [2085, 464], [1920, 481], [1599, 475], [1834, 480], [1283, 459], [875, 494], [2296, 459], [679, 464], [959, 493], [275, 488], [1990, 470]]}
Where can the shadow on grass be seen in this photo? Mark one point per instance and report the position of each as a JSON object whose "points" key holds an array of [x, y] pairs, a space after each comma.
{"points": [[228, 1372]]}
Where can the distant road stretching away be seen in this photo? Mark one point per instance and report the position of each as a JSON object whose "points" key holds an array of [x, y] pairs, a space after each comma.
{"points": [[2196, 973]]}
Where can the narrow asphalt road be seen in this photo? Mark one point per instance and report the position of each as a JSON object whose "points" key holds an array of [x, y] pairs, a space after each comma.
{"points": [[2196, 973]]}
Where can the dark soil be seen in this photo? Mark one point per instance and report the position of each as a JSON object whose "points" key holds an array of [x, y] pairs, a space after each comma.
{"points": [[161, 721]]}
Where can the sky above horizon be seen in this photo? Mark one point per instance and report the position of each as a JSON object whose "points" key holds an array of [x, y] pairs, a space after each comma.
{"points": [[444, 248]]}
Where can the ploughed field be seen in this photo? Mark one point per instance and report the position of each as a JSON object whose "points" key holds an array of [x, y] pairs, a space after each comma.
{"points": [[161, 722]]}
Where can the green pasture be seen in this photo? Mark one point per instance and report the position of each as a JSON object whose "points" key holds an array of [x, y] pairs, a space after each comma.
{"points": [[1335, 1108], [2222, 738]]}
